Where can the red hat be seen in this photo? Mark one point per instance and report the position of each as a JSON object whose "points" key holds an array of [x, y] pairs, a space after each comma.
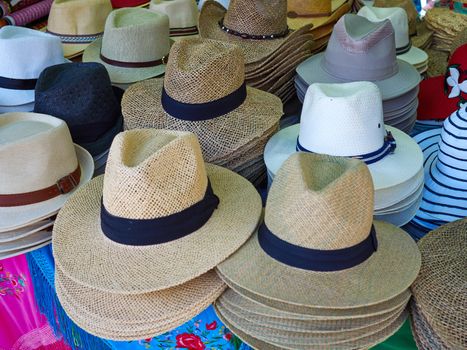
{"points": [[434, 102], [116, 4]]}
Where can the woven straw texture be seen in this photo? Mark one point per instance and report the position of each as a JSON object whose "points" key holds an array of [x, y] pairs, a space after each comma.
{"points": [[152, 173], [124, 317], [446, 25], [314, 8], [425, 337], [317, 186], [440, 289]]}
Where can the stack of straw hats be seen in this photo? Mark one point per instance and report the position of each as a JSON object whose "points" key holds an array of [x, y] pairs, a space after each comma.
{"points": [[81, 94], [446, 25], [135, 248], [204, 92], [355, 45], [41, 167], [439, 305], [394, 159], [259, 27], [319, 273]]}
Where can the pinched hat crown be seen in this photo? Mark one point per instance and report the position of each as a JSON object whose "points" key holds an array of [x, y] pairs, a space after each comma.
{"points": [[201, 70], [321, 202], [257, 17], [153, 173]]}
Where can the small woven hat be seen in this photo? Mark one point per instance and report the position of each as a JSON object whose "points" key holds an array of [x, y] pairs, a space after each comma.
{"points": [[204, 92], [395, 161], [135, 45], [183, 16], [81, 94], [258, 27], [24, 54], [319, 212], [398, 17], [440, 290], [38, 144], [156, 201], [357, 44], [408, 6], [77, 23]]}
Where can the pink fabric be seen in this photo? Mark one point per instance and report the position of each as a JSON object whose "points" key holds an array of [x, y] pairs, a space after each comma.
{"points": [[30, 13], [22, 327]]}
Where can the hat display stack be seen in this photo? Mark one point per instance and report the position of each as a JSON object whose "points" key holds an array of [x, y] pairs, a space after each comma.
{"points": [[24, 54], [394, 159], [438, 307], [446, 25], [404, 48], [134, 47], [204, 92], [81, 94], [183, 17], [156, 202], [118, 4], [319, 273], [272, 51], [40, 168], [77, 23], [356, 44]]}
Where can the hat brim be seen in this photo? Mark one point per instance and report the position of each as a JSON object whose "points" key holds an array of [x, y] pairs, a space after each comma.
{"points": [[105, 265], [142, 108], [12, 218], [385, 274], [393, 176], [126, 317], [13, 253], [31, 240], [339, 8], [14, 235], [406, 78], [121, 75], [403, 216], [414, 56], [27, 107]]}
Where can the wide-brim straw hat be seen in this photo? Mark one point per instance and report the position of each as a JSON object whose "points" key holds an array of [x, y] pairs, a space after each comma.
{"points": [[139, 316], [105, 265]]}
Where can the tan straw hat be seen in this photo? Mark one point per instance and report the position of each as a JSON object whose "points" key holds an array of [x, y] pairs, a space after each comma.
{"points": [[159, 214], [134, 47], [319, 232], [316, 12], [38, 144], [204, 92], [258, 27], [78, 23]]}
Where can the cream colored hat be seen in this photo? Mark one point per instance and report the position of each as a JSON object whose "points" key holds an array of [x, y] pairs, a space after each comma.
{"points": [[78, 23], [134, 47], [204, 92], [41, 145], [183, 16], [319, 232], [158, 204]]}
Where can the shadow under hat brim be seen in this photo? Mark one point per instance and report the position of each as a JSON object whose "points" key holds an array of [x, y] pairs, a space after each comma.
{"points": [[12, 218], [414, 56], [393, 176], [312, 71], [121, 75], [105, 265], [255, 50], [14, 235], [385, 274]]}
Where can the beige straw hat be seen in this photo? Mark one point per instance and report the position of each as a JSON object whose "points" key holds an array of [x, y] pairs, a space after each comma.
{"points": [[318, 215], [134, 47], [304, 12], [183, 16], [39, 144], [133, 220], [424, 335], [258, 27], [78, 23], [204, 92]]}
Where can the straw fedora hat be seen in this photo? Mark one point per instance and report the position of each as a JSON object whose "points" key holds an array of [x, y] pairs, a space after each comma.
{"points": [[153, 178], [24, 54], [134, 47], [355, 45], [204, 92], [77, 23], [183, 16], [258, 27], [37, 144], [394, 159], [316, 12], [398, 17], [440, 289], [319, 208]]}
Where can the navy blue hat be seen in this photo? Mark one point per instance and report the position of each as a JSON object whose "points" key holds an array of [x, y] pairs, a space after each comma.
{"points": [[82, 95]]}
